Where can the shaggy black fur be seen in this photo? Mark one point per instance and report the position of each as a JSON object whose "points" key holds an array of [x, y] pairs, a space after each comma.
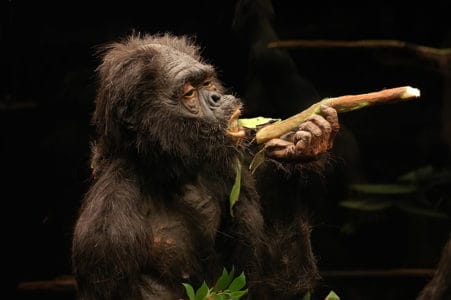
{"points": [[439, 287], [157, 213]]}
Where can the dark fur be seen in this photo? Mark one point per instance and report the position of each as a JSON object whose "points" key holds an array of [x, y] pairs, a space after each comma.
{"points": [[439, 287], [157, 213]]}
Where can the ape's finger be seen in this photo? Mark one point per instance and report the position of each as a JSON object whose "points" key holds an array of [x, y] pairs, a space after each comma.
{"points": [[275, 144], [311, 127], [280, 149], [303, 140], [331, 115], [322, 123], [290, 136]]}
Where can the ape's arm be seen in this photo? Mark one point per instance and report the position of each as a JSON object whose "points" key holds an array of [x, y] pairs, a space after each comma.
{"points": [[111, 244]]}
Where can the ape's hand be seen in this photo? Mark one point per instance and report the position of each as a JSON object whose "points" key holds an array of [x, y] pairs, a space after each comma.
{"points": [[314, 137]]}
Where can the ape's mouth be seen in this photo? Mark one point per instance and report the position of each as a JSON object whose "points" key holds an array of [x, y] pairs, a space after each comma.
{"points": [[233, 127]]}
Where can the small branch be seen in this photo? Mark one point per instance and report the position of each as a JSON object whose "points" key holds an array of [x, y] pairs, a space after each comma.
{"points": [[67, 283], [380, 273], [420, 50], [341, 104]]}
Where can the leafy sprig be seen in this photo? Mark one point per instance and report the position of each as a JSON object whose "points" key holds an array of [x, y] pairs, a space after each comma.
{"points": [[227, 287]]}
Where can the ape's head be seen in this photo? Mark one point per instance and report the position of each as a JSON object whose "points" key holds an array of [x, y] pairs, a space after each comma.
{"points": [[156, 94]]}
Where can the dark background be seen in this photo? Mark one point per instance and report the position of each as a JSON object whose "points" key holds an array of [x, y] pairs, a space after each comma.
{"points": [[48, 81]]}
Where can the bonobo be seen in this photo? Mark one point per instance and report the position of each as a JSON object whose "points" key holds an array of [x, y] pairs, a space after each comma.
{"points": [[164, 162]]}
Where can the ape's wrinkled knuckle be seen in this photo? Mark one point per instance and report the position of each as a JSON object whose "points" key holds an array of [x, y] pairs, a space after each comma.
{"points": [[327, 128]]}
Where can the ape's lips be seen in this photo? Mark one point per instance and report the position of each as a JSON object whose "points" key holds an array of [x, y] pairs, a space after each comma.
{"points": [[233, 127]]}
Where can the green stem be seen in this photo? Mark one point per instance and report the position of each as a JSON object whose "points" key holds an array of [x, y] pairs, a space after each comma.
{"points": [[341, 104]]}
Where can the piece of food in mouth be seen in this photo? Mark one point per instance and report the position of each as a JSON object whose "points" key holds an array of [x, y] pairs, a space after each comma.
{"points": [[233, 127]]}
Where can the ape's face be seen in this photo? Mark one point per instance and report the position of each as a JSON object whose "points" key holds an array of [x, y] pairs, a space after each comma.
{"points": [[201, 114], [200, 95], [159, 93]]}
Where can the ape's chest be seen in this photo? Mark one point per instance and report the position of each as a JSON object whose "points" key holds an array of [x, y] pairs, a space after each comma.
{"points": [[203, 209]]}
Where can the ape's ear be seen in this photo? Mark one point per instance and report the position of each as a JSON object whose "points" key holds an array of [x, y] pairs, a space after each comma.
{"points": [[126, 72]]}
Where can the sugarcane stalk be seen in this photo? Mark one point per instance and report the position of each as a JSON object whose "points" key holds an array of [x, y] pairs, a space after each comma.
{"points": [[341, 104]]}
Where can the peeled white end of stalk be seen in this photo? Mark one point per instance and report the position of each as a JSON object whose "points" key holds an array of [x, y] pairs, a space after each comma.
{"points": [[411, 92]]}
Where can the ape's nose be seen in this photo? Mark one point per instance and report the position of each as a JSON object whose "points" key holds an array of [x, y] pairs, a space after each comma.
{"points": [[215, 97]]}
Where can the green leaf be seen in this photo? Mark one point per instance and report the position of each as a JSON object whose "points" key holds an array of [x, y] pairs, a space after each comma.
{"points": [[383, 189], [231, 276], [410, 208], [419, 174], [258, 159], [235, 193], [238, 294], [253, 123], [307, 296], [367, 205], [189, 291], [202, 292], [238, 283], [332, 296], [222, 281], [218, 297], [426, 174]]}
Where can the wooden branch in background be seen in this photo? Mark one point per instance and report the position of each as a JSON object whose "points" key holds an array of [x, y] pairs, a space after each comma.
{"points": [[60, 284], [68, 284], [436, 54], [379, 273]]}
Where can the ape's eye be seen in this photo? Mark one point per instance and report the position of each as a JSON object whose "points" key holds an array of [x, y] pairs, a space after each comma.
{"points": [[207, 84], [189, 93], [189, 98], [188, 90]]}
